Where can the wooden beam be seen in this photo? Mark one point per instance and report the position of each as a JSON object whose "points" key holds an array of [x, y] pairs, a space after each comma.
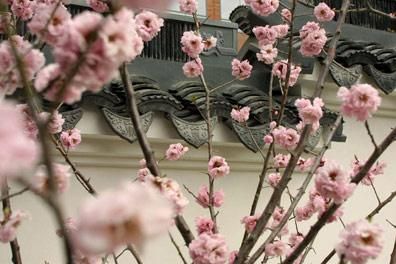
{"points": [[213, 9]]}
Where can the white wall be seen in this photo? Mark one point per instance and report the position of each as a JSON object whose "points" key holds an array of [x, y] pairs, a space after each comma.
{"points": [[108, 160]]}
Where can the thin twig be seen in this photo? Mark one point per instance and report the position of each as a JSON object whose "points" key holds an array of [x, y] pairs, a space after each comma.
{"points": [[8, 196], [222, 85], [177, 248], [366, 124], [375, 191], [135, 254]]}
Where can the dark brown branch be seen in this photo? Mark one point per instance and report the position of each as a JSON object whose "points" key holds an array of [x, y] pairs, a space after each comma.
{"points": [[366, 124], [376, 11], [145, 145], [80, 177], [135, 254], [333, 208], [8, 196], [15, 250], [393, 255], [177, 248]]}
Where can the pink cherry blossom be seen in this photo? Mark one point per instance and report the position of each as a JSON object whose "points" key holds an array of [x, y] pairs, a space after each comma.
{"points": [[267, 54], [313, 43], [278, 214], [323, 12], [30, 126], [171, 189], [310, 113], [273, 179], [98, 5], [280, 70], [281, 160], [241, 69], [375, 170], [175, 151], [265, 35], [286, 15], [277, 248], [203, 197], [268, 139], [192, 44], [304, 165], [332, 182], [308, 28], [193, 68], [10, 224], [360, 101], [295, 239], [32, 59], [250, 222], [144, 175], [208, 248], [115, 218], [24, 9], [304, 213], [71, 138], [218, 198], [281, 30], [218, 167], [55, 123], [263, 7], [317, 200], [286, 137], [360, 241], [61, 178], [240, 115], [204, 225], [148, 25], [188, 6], [210, 43], [18, 152], [50, 31]]}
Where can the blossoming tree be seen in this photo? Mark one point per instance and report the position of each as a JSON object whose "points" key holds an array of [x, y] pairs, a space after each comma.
{"points": [[94, 47]]}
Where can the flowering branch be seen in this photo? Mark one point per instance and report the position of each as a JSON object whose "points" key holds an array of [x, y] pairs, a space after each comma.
{"points": [[331, 52], [332, 209], [80, 177], [145, 145], [300, 193], [52, 199], [369, 216]]}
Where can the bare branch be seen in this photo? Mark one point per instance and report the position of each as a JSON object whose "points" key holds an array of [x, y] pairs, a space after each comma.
{"points": [[8, 196], [177, 248], [366, 124]]}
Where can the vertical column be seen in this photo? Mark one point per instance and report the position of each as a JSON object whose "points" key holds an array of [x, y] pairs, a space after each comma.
{"points": [[213, 9]]}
